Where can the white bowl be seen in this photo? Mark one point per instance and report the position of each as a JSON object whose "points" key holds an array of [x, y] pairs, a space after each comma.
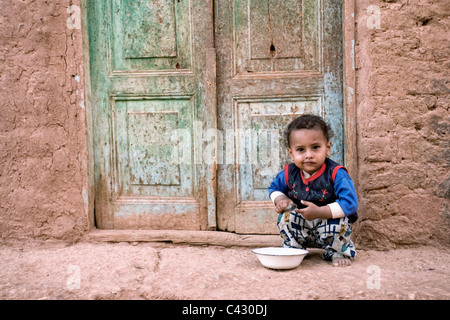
{"points": [[280, 258]]}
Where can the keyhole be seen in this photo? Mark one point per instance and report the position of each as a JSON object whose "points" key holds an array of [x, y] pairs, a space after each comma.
{"points": [[272, 50]]}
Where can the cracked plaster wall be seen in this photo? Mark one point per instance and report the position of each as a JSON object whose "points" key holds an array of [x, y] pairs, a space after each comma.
{"points": [[403, 99], [43, 158]]}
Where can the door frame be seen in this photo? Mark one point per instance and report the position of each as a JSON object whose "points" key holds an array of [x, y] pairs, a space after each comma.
{"points": [[349, 109]]}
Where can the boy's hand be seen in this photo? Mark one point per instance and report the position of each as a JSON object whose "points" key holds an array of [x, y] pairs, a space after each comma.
{"points": [[281, 202], [312, 211]]}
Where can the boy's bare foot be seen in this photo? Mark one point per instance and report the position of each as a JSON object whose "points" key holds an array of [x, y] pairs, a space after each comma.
{"points": [[340, 262]]}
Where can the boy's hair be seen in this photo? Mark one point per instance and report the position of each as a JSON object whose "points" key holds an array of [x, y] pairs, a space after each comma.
{"points": [[308, 121]]}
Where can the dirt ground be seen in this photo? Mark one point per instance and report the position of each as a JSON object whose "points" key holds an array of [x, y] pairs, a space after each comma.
{"points": [[99, 270]]}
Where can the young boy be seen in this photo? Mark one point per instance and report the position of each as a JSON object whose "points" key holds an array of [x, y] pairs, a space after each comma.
{"points": [[322, 191]]}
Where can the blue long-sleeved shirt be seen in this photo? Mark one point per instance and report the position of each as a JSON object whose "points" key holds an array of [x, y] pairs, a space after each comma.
{"points": [[343, 188]]}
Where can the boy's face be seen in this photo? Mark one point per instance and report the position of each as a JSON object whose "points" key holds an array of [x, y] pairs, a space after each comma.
{"points": [[308, 149]]}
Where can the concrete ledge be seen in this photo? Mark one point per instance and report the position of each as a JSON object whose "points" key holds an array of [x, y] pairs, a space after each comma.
{"points": [[216, 238]]}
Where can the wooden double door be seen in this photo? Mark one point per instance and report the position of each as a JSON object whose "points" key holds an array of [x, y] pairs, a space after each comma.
{"points": [[190, 99]]}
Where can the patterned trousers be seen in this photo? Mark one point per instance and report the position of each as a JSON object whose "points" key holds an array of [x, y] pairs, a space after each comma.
{"points": [[333, 235]]}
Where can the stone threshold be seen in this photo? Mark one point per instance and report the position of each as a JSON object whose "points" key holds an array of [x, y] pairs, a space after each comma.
{"points": [[214, 238]]}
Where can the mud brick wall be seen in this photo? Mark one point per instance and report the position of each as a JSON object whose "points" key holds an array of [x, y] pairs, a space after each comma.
{"points": [[42, 122], [402, 95]]}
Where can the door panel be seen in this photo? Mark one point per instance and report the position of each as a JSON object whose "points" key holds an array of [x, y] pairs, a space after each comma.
{"points": [[147, 36], [271, 35], [148, 79], [275, 60]]}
